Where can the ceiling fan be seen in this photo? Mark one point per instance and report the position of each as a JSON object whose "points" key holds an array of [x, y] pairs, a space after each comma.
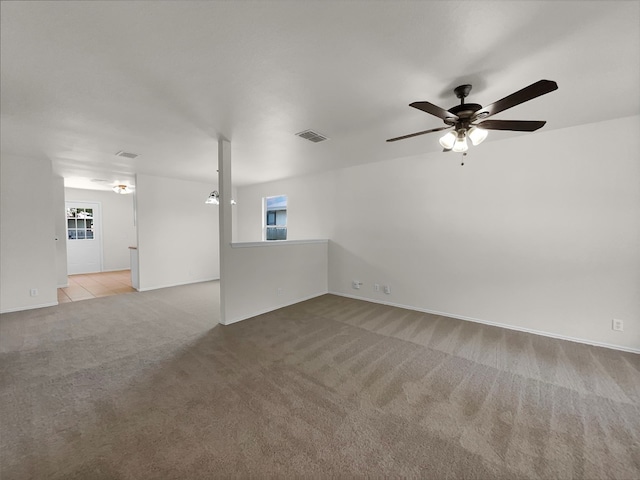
{"points": [[470, 119]]}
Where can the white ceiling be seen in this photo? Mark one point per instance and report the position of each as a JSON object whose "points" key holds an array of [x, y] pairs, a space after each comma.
{"points": [[84, 80]]}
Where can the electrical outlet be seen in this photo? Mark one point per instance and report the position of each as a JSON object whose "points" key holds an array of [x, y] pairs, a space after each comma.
{"points": [[280, 291], [356, 284], [617, 325], [387, 289], [33, 292], [376, 287]]}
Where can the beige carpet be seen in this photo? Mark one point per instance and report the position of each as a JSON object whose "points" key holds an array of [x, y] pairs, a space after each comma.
{"points": [[141, 386]]}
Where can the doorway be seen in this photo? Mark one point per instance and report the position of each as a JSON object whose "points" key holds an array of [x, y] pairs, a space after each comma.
{"points": [[84, 237], [94, 285]]}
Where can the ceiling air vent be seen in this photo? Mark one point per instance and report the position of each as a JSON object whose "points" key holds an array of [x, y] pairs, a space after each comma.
{"points": [[127, 155], [312, 136]]}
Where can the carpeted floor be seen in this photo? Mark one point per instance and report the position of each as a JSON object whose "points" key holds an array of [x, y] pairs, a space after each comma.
{"points": [[144, 385]]}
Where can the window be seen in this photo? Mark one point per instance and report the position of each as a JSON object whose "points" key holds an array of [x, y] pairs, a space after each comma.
{"points": [[275, 218], [80, 223]]}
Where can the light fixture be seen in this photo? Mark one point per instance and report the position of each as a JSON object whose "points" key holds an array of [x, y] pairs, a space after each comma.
{"points": [[477, 135], [456, 140], [448, 140], [214, 198], [122, 189], [461, 142]]}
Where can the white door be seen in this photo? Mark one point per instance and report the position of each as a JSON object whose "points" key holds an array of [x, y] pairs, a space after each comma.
{"points": [[84, 250]]}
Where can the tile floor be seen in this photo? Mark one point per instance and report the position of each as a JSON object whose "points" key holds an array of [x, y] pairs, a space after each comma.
{"points": [[93, 285]]}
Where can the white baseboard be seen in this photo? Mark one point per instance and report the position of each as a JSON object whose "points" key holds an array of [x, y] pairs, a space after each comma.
{"points": [[63, 286], [30, 307], [158, 287], [495, 324], [267, 310]]}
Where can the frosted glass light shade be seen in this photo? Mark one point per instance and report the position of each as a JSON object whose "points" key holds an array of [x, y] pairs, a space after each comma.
{"points": [[461, 144], [447, 140], [477, 135]]}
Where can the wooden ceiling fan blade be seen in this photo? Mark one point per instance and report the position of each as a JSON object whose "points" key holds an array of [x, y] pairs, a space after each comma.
{"points": [[417, 133], [434, 110], [515, 125], [527, 93]]}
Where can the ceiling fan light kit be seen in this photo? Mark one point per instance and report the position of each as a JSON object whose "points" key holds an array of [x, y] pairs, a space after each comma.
{"points": [[470, 119]]}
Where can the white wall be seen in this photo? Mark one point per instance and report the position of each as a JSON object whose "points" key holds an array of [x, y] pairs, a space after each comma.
{"points": [[538, 232], [60, 222], [177, 232], [310, 207], [118, 229], [267, 277], [27, 235]]}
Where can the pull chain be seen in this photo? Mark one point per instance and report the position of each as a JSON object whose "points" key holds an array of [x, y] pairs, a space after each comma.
{"points": [[463, 155]]}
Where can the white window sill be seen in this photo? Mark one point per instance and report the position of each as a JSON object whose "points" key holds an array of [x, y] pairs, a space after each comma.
{"points": [[272, 243]]}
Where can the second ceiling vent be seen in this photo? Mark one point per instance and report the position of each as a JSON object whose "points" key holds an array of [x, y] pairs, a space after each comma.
{"points": [[312, 136]]}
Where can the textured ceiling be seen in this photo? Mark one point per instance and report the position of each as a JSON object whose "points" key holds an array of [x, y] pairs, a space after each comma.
{"points": [[84, 80]]}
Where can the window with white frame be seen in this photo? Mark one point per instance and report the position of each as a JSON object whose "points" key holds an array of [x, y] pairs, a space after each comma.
{"points": [[274, 218], [80, 223]]}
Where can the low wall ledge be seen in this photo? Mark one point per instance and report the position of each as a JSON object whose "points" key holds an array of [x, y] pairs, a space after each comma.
{"points": [[276, 243]]}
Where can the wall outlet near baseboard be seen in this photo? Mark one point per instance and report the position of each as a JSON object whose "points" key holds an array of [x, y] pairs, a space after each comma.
{"points": [[387, 289], [33, 292], [376, 287], [617, 325], [356, 284], [280, 291]]}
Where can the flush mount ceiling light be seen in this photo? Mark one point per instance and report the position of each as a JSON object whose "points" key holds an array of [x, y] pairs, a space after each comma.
{"points": [[462, 118], [122, 189], [214, 199]]}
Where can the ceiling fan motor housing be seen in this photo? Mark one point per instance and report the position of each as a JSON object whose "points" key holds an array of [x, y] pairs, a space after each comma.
{"points": [[464, 112]]}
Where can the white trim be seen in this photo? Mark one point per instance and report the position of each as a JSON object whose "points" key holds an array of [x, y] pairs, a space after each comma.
{"points": [[495, 324], [270, 243], [262, 312], [63, 286], [147, 289], [30, 307]]}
